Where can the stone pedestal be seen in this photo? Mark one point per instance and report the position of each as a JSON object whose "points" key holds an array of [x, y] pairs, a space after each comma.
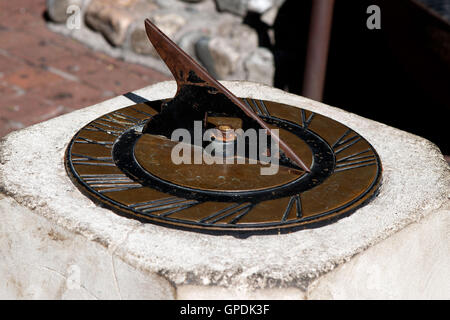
{"points": [[56, 243]]}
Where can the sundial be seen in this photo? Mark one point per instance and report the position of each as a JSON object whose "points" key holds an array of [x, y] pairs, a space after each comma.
{"points": [[299, 169]]}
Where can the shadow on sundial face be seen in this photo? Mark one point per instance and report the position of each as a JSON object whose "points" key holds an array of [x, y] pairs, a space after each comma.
{"points": [[154, 154]]}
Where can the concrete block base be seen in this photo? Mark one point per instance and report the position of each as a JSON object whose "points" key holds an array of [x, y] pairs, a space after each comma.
{"points": [[57, 244]]}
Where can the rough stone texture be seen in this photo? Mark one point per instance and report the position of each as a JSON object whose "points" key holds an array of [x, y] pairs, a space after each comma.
{"points": [[139, 41], [218, 56], [241, 7], [193, 1], [241, 37], [169, 4], [259, 66], [411, 264], [188, 42], [270, 15], [111, 19], [41, 260], [169, 23], [407, 223], [238, 7], [260, 6], [121, 32], [203, 53], [57, 9], [224, 53]]}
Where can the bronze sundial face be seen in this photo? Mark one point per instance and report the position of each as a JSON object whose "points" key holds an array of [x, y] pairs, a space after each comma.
{"points": [[123, 160]]}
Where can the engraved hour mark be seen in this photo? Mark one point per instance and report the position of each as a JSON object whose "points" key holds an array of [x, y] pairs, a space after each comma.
{"points": [[106, 144], [264, 108], [253, 108], [97, 123], [95, 127], [177, 204], [112, 118], [345, 141], [110, 123], [305, 121], [239, 209], [92, 161], [260, 108], [298, 207], [126, 117], [110, 182], [357, 160], [142, 112]]}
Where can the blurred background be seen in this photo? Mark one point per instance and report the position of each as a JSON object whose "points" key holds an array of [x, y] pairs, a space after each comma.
{"points": [[384, 60]]}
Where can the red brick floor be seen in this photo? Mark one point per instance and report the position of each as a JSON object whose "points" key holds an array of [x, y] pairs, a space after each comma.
{"points": [[43, 74]]}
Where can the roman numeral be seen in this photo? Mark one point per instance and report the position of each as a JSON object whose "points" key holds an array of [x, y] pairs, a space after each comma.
{"points": [[295, 200], [106, 144], [254, 109], [142, 112], [111, 118], [239, 209], [305, 121], [110, 182], [92, 161], [125, 117], [108, 125], [259, 109], [357, 160], [113, 124], [99, 128], [177, 204], [345, 141], [264, 108]]}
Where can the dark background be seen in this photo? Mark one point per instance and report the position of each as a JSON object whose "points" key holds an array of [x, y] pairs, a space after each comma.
{"points": [[398, 75]]}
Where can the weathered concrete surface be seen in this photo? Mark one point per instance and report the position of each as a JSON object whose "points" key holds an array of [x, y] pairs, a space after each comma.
{"points": [[41, 260], [395, 247], [411, 264]]}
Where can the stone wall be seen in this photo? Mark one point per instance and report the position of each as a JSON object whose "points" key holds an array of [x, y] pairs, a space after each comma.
{"points": [[211, 31]]}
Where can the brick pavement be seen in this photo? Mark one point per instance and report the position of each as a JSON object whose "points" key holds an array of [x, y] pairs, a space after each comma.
{"points": [[43, 74]]}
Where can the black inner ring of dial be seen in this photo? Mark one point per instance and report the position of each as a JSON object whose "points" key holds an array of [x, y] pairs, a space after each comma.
{"points": [[322, 168]]}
